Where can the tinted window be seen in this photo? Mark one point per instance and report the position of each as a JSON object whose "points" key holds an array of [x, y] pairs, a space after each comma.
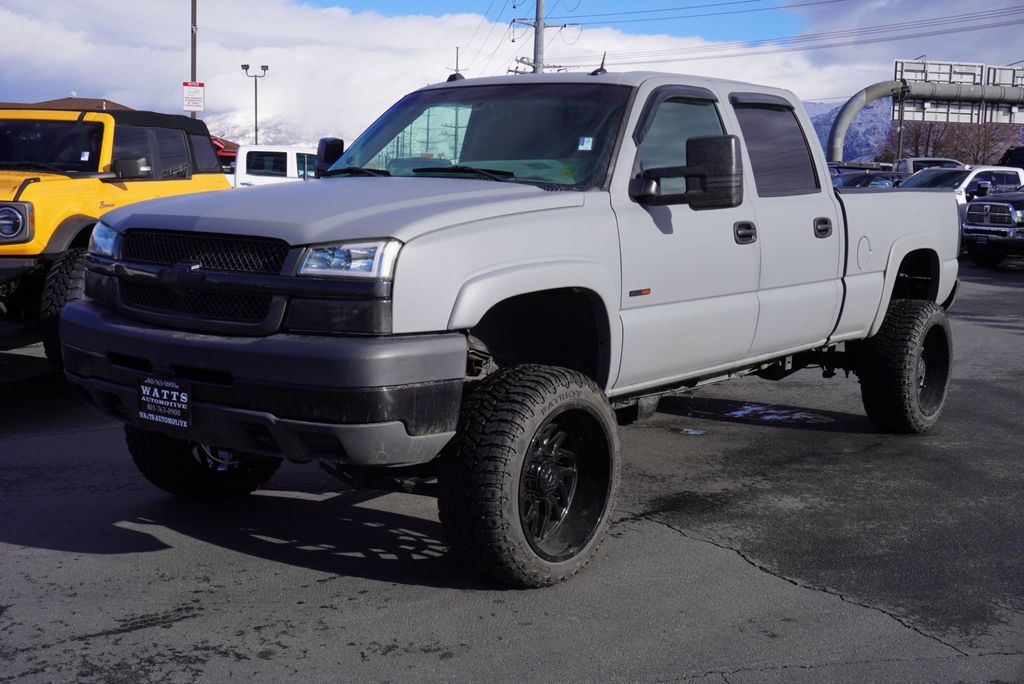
{"points": [[305, 164], [174, 159], [779, 154], [936, 178], [664, 144], [132, 142], [267, 163], [1007, 178], [204, 154], [70, 146]]}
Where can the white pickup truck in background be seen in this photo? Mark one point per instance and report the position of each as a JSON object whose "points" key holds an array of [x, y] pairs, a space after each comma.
{"points": [[269, 164]]}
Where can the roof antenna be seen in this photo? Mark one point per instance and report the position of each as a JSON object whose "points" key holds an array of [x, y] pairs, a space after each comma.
{"points": [[600, 70]]}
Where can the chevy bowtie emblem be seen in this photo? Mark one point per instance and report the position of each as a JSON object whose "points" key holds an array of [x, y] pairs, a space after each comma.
{"points": [[183, 277]]}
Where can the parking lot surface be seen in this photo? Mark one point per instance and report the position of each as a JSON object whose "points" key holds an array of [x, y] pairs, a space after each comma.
{"points": [[765, 532]]}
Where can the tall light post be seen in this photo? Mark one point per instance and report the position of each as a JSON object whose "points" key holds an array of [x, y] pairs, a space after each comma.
{"points": [[256, 99]]}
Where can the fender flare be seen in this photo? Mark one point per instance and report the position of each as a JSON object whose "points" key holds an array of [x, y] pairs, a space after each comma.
{"points": [[67, 231], [482, 292], [897, 252]]}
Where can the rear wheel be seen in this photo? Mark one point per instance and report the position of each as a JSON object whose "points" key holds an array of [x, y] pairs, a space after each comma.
{"points": [[527, 489], [905, 369], [65, 282], [987, 259], [193, 470]]}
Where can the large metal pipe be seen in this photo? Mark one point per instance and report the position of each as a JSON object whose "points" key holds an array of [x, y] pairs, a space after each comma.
{"points": [[915, 90]]}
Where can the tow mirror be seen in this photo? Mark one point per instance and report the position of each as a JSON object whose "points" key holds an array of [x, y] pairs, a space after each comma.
{"points": [[328, 151], [984, 189], [713, 175], [126, 169]]}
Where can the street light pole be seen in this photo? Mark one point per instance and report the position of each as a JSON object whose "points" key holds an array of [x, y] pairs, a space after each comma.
{"points": [[195, 29], [256, 99]]}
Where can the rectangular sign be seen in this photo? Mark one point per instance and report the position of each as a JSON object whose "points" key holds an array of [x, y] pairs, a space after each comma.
{"points": [[167, 402], [193, 96]]}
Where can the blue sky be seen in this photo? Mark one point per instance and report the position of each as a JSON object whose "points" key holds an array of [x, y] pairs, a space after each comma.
{"points": [[742, 26]]}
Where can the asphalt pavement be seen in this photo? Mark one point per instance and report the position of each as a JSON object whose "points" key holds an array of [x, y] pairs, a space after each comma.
{"points": [[766, 532]]}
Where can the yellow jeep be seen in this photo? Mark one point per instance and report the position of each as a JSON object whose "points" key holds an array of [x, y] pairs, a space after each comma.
{"points": [[60, 171]]}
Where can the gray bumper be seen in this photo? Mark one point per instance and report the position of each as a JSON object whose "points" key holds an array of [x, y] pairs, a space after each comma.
{"points": [[376, 401]]}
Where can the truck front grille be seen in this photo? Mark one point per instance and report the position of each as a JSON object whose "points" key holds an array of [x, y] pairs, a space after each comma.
{"points": [[213, 252], [212, 306], [984, 214]]}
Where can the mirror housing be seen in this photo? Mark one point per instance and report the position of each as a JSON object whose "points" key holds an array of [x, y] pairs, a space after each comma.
{"points": [[713, 173], [328, 150], [127, 169], [984, 189]]}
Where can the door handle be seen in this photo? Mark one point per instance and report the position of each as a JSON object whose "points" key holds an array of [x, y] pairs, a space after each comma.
{"points": [[744, 232], [822, 227]]}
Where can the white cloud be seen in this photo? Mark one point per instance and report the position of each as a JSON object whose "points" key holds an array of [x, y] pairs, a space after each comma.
{"points": [[333, 70]]}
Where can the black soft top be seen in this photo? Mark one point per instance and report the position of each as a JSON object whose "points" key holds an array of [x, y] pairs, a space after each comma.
{"points": [[134, 117]]}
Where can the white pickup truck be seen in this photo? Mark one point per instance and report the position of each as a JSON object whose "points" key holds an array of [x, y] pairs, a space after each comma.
{"points": [[595, 242], [270, 164]]}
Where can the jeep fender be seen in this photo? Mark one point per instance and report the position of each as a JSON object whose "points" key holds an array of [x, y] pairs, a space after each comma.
{"points": [[66, 233], [899, 250], [482, 292]]}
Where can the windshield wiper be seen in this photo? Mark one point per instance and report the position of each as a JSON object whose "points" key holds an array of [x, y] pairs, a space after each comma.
{"points": [[493, 174], [35, 165], [355, 171]]}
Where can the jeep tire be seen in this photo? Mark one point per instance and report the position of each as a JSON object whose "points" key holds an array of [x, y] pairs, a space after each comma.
{"points": [[905, 369], [65, 282], [195, 471], [527, 486]]}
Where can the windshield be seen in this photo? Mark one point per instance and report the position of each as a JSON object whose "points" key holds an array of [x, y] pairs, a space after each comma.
{"points": [[936, 178], [937, 163], [550, 134], [66, 146]]}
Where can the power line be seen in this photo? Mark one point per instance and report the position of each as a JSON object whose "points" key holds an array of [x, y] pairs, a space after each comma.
{"points": [[483, 18], [655, 11], [711, 14], [811, 37], [488, 38]]}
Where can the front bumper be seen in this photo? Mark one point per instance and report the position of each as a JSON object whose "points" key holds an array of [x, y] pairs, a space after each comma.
{"points": [[373, 401], [12, 267], [1002, 244]]}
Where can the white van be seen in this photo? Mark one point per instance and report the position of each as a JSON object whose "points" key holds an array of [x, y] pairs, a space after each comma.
{"points": [[267, 164], [915, 164]]}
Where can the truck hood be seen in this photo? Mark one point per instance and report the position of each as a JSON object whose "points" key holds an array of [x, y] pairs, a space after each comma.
{"points": [[334, 209], [10, 181], [1013, 198]]}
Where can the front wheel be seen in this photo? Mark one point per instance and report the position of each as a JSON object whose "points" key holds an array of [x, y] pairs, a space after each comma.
{"points": [[65, 282], [528, 486], [195, 471], [905, 369]]}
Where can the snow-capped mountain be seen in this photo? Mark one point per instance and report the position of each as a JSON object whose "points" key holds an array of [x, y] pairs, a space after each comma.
{"points": [[275, 129]]}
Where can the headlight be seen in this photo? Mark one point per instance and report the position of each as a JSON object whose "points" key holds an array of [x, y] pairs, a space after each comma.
{"points": [[11, 222], [359, 259], [102, 241]]}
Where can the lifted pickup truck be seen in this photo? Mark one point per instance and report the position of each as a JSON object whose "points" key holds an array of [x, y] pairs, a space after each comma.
{"points": [[59, 172], [598, 241]]}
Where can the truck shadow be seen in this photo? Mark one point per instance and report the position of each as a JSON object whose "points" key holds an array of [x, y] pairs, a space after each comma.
{"points": [[1010, 273], [336, 533], [771, 415]]}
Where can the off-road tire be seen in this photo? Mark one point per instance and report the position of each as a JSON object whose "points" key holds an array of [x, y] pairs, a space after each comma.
{"points": [[485, 474], [174, 466], [905, 369], [65, 282], [987, 259]]}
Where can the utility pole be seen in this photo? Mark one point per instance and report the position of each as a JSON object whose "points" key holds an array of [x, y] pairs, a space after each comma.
{"points": [[195, 29], [256, 100], [538, 39]]}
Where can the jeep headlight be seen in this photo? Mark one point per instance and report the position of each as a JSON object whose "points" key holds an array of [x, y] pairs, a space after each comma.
{"points": [[101, 243], [358, 259], [12, 223]]}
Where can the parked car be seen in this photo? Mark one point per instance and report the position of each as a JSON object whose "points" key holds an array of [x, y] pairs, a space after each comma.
{"points": [[869, 179], [837, 168], [599, 241], [994, 228], [60, 171], [915, 164], [269, 164], [965, 182]]}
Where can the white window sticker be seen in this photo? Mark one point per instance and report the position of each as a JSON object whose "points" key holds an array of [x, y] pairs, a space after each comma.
{"points": [[586, 144], [85, 156]]}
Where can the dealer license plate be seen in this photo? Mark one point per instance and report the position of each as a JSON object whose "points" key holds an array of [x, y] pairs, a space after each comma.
{"points": [[167, 402], [983, 239]]}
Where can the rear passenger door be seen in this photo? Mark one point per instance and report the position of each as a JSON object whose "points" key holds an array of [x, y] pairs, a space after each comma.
{"points": [[798, 227]]}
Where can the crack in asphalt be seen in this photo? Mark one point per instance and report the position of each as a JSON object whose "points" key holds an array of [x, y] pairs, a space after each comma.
{"points": [[842, 597]]}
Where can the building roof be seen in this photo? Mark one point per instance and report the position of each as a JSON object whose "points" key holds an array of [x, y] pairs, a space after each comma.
{"points": [[74, 103]]}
